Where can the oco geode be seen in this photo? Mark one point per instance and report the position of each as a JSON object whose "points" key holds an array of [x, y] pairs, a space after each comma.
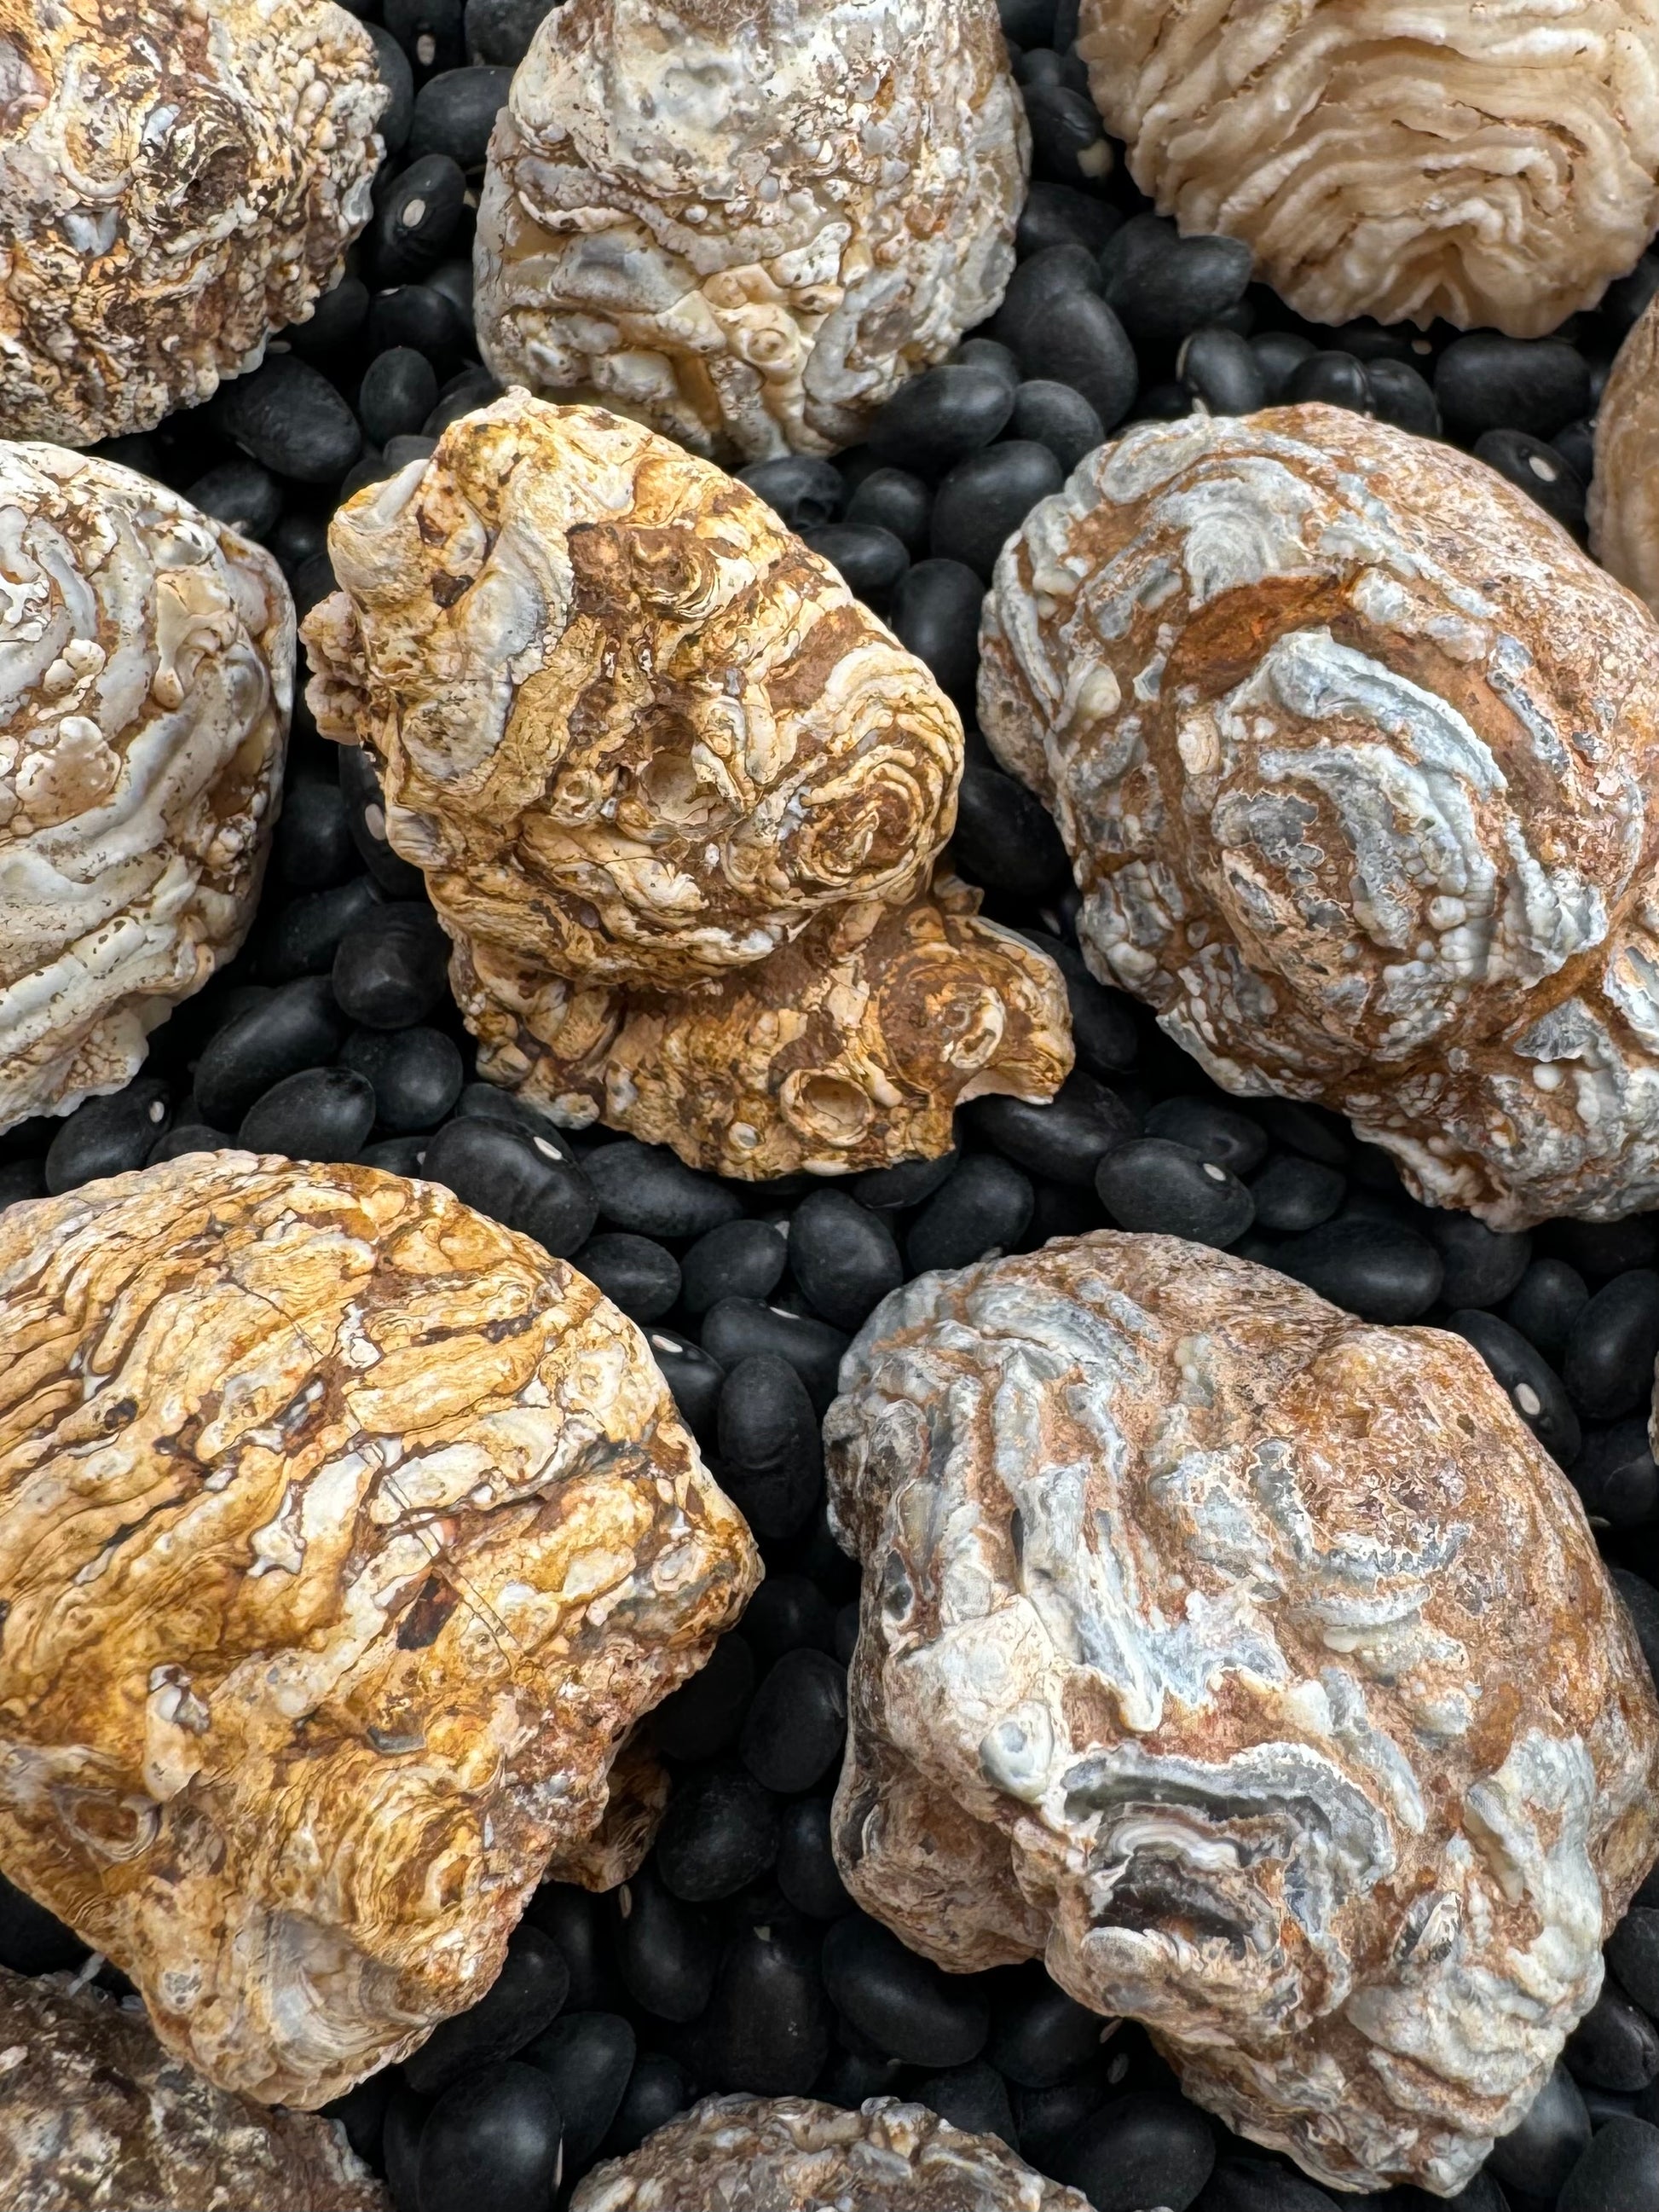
{"points": [[748, 231], [1354, 754], [344, 1535], [146, 679], [178, 180], [678, 797], [1253, 1667]]}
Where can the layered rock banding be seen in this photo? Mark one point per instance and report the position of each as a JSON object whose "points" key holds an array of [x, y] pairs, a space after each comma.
{"points": [[1624, 492], [678, 798], [1353, 752], [1492, 166], [178, 180], [748, 235], [344, 1535], [146, 680], [1253, 1667]]}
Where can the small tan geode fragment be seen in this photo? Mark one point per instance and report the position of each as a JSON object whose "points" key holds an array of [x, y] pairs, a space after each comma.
{"points": [[1623, 492], [679, 798], [178, 180], [794, 2155], [747, 228], [1491, 165], [146, 679], [1357, 759], [1255, 1669], [344, 1535], [96, 2117]]}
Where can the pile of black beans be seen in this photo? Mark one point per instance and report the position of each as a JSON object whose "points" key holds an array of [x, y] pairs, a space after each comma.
{"points": [[734, 1960]]}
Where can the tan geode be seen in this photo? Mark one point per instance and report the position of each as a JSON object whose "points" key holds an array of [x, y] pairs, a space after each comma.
{"points": [[792, 2154], [1623, 492], [96, 2117], [344, 1535], [178, 180], [678, 797], [1354, 753], [146, 679], [747, 228], [1492, 165], [1253, 1667]]}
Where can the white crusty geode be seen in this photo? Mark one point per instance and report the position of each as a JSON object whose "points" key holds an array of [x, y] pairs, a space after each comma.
{"points": [[1354, 754], [746, 228], [1489, 164], [1253, 1667], [146, 679], [178, 180]]}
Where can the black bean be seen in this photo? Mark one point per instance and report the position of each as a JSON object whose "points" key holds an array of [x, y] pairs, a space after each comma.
{"points": [[1480, 1266], [485, 1102], [738, 1260], [1403, 396], [372, 468], [1642, 1603], [1059, 215], [391, 67], [415, 220], [1530, 1384], [1380, 1270], [1278, 354], [868, 559], [1040, 2036], [1080, 340], [974, 2098], [307, 931], [1607, 1365], [416, 1074], [1064, 1140], [290, 417], [804, 491], [297, 1027], [1537, 469], [462, 395], [321, 1113], [891, 1190], [1068, 146], [1614, 2047], [634, 1272], [770, 2024], [902, 2003], [656, 2092], [990, 353], [937, 418], [1027, 22], [492, 2138], [588, 2056], [1036, 283], [430, 32], [241, 493], [1633, 1952], [738, 1329], [1618, 2171], [1546, 1303], [32, 1940], [1053, 416], [455, 112], [1251, 2185], [787, 1612], [984, 499], [390, 970], [313, 581], [894, 501], [312, 850], [1220, 368], [1599, 1248], [531, 1986], [644, 1188], [417, 317], [402, 1156], [399, 390], [704, 1715], [935, 614], [366, 810], [1485, 381], [1332, 380], [1103, 1029], [667, 1952], [401, 451], [1217, 1132], [400, 2145], [1151, 1183], [796, 1722], [1141, 2149], [500, 31], [1163, 285], [21, 1180], [806, 1870], [361, 2113], [853, 2075], [1005, 837], [1576, 444], [694, 1378], [1049, 2117], [298, 538], [842, 1256], [107, 1136], [1292, 1194], [720, 1833], [1615, 1476], [517, 1178], [980, 1213], [1539, 2153]]}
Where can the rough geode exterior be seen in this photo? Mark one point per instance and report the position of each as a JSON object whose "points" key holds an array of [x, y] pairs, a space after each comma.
{"points": [[146, 680], [678, 798], [1255, 1669], [344, 1534], [1354, 753], [96, 2117], [1493, 165], [748, 229], [1624, 492], [794, 2155], [178, 180]]}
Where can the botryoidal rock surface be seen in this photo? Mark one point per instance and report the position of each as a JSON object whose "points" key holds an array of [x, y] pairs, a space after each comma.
{"points": [[344, 1535], [178, 180], [1494, 165], [748, 238], [794, 2155], [679, 799], [1253, 1667], [96, 2117], [1354, 754], [146, 680], [1623, 492]]}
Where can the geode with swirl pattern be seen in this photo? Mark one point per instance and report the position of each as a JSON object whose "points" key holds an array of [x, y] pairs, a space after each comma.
{"points": [[1255, 1669]]}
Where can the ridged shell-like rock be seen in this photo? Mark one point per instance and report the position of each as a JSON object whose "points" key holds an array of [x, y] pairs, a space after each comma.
{"points": [[344, 1534], [678, 797], [794, 2155], [1355, 756], [96, 2117], [178, 180], [1623, 492], [1491, 165], [1255, 1668], [747, 229], [146, 679]]}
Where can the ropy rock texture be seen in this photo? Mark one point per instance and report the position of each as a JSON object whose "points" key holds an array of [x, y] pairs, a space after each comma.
{"points": [[1623, 492], [178, 180], [678, 798], [1354, 754], [344, 1535], [1493, 165], [1253, 1667], [146, 680], [747, 227]]}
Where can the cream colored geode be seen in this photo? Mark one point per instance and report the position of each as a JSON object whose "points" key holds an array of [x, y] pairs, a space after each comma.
{"points": [[1357, 759], [146, 679], [1253, 1667], [1492, 165], [178, 180], [747, 229], [344, 1537], [679, 798], [1624, 492]]}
